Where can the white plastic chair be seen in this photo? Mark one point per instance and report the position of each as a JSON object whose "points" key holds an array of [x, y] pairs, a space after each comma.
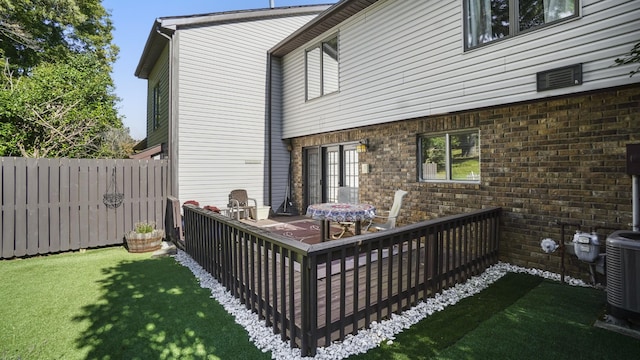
{"points": [[390, 216], [346, 195]]}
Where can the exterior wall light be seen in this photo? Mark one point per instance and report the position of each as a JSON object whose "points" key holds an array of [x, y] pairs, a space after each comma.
{"points": [[362, 146]]}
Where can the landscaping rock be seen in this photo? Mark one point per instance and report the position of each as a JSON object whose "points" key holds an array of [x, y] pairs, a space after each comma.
{"points": [[167, 249]]}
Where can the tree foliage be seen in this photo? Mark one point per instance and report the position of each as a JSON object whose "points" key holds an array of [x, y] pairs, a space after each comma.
{"points": [[36, 31], [633, 57], [60, 110], [56, 92]]}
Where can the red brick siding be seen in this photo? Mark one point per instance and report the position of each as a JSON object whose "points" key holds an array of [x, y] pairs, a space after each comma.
{"points": [[560, 159]]}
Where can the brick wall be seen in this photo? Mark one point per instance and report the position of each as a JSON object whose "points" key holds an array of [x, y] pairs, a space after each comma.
{"points": [[557, 160]]}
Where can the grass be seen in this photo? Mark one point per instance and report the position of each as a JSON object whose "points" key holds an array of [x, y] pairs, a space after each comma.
{"points": [[520, 316], [110, 304]]}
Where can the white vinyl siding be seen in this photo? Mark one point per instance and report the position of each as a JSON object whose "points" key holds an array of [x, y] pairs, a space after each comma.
{"points": [[222, 110], [406, 59]]}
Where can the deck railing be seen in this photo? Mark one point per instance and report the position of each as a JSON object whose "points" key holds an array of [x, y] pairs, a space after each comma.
{"points": [[316, 294]]}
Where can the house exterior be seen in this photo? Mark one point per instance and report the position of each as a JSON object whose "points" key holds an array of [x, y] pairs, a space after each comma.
{"points": [[207, 105], [465, 105]]}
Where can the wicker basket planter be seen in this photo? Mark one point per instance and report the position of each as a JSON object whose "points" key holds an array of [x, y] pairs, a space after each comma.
{"points": [[144, 242]]}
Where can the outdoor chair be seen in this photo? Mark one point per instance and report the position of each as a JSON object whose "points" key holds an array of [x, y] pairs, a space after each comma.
{"points": [[390, 216], [239, 204], [346, 195]]}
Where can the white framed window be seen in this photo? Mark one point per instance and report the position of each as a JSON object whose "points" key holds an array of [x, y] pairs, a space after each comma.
{"points": [[490, 20], [155, 115], [451, 156], [322, 68]]}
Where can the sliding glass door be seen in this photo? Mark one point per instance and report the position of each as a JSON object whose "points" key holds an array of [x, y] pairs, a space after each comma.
{"points": [[328, 168]]}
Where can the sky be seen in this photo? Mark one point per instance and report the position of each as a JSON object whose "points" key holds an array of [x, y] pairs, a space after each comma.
{"points": [[133, 20]]}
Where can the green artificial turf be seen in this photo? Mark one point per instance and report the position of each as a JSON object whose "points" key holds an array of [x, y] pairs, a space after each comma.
{"points": [[553, 321], [110, 304], [429, 337], [518, 317]]}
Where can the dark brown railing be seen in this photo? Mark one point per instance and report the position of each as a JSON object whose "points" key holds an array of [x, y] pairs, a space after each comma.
{"points": [[316, 294]]}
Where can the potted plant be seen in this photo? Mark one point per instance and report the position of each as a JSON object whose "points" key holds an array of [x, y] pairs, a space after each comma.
{"points": [[144, 237]]}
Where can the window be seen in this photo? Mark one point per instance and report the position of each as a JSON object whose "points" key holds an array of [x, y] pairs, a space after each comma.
{"points": [[490, 20], [322, 65], [156, 107], [450, 156]]}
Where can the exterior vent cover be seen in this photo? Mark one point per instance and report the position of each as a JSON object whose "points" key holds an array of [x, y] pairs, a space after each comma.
{"points": [[560, 77]]}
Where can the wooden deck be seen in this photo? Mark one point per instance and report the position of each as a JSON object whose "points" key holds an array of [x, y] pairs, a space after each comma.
{"points": [[314, 294], [380, 276]]}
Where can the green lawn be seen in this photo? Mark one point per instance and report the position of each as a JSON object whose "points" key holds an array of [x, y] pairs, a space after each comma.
{"points": [[110, 304]]}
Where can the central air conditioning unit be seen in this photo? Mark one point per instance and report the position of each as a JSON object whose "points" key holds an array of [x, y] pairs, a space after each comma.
{"points": [[623, 274]]}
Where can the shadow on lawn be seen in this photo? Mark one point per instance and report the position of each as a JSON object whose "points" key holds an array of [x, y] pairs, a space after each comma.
{"points": [[154, 308]]}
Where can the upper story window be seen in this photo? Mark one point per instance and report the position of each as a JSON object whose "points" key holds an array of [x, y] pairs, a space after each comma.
{"points": [[156, 107], [322, 64], [490, 20], [450, 156]]}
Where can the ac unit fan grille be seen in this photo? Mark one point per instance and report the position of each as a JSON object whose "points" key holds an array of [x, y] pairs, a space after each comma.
{"points": [[615, 294]]}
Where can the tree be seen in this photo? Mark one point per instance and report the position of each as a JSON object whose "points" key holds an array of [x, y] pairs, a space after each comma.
{"points": [[46, 114], [56, 92], [36, 31], [116, 143], [630, 58]]}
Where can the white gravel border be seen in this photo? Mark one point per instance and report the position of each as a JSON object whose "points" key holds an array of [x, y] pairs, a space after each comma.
{"points": [[385, 331]]}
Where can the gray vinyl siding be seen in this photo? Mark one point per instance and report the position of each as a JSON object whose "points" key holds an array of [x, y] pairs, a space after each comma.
{"points": [[159, 75], [222, 110], [406, 59]]}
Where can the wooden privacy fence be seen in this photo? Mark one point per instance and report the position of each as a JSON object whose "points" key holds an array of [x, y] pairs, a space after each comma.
{"points": [[316, 294], [56, 205]]}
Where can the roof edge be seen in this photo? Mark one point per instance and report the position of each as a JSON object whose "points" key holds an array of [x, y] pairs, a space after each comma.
{"points": [[169, 24], [331, 17], [241, 15]]}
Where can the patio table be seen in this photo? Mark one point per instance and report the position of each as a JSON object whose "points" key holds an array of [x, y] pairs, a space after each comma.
{"points": [[340, 212]]}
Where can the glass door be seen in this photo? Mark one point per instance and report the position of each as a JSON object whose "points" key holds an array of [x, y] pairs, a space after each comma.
{"points": [[313, 176], [325, 169], [332, 173]]}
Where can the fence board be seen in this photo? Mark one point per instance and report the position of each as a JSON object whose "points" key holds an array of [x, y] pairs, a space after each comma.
{"points": [[8, 207], [118, 212], [65, 205], [53, 205], [128, 191], [83, 209], [101, 188], [20, 206], [74, 204], [32, 207], [135, 193], [42, 195], [92, 234]]}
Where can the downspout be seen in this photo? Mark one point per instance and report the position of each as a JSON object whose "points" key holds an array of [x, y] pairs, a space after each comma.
{"points": [[269, 134], [635, 202], [172, 149]]}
